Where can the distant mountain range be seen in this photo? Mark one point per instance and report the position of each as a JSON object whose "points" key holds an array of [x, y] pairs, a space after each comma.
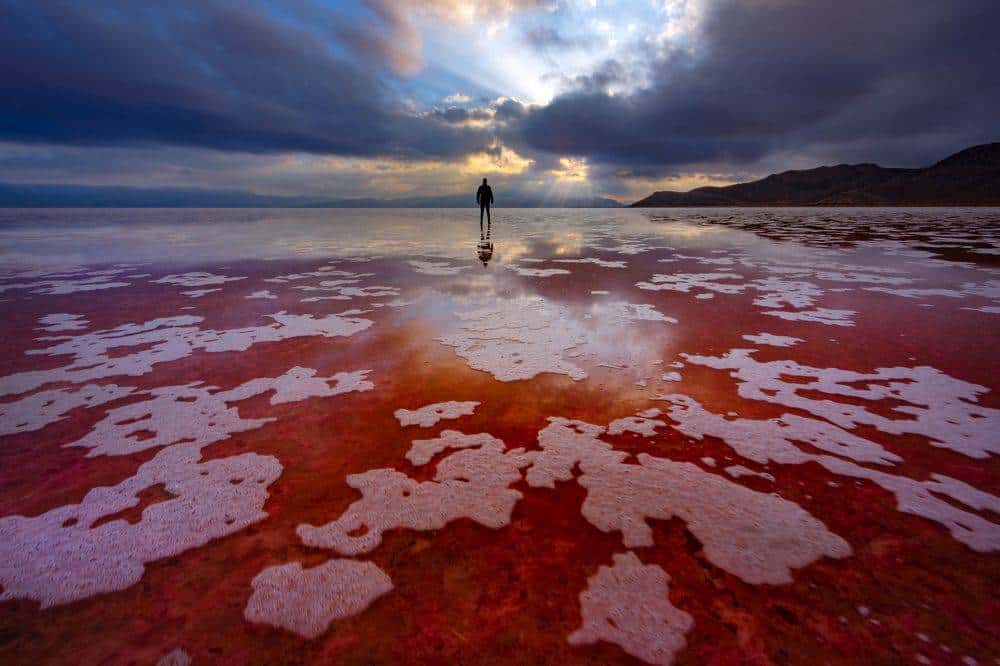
{"points": [[84, 196], [967, 178]]}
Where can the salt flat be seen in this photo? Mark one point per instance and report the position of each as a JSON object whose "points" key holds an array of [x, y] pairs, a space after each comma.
{"points": [[341, 435]]}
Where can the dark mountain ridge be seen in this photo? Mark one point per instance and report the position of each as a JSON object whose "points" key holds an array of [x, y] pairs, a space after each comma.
{"points": [[968, 178]]}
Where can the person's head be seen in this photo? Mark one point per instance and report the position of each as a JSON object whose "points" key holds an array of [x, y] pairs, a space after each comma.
{"points": [[484, 181]]}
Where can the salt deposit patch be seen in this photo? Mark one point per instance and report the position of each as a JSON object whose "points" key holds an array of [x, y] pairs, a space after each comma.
{"points": [[306, 601], [939, 407], [166, 339], [826, 316], [70, 283], [321, 272], [772, 340], [198, 293], [619, 312], [688, 282], [177, 657], [737, 471], [644, 423], [262, 294], [536, 272], [194, 413], [519, 339], [471, 483], [195, 279], [765, 440], [755, 536], [772, 440], [422, 450], [60, 557], [428, 415], [434, 267], [627, 604], [345, 290], [779, 293], [62, 321], [603, 263], [35, 411]]}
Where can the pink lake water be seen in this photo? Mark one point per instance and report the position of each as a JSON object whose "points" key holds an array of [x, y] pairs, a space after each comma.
{"points": [[601, 436]]}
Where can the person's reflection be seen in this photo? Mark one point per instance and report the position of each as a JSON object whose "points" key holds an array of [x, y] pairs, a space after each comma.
{"points": [[484, 248]]}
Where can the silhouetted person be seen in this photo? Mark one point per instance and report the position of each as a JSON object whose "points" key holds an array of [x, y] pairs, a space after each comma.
{"points": [[484, 197]]}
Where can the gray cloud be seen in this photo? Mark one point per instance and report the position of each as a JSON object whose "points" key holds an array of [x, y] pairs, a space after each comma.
{"points": [[902, 82], [231, 77], [895, 81]]}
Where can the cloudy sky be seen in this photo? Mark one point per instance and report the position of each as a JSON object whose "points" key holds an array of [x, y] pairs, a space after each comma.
{"points": [[385, 98]]}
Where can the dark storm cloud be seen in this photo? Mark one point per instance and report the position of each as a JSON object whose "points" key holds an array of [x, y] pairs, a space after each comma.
{"points": [[212, 74], [510, 109], [899, 81], [457, 114]]}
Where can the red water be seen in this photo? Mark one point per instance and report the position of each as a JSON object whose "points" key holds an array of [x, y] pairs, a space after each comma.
{"points": [[467, 593]]}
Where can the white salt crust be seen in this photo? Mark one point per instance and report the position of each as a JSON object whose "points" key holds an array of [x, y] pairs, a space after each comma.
{"points": [[178, 657], [321, 272], [434, 267], [516, 339], [687, 282], [776, 292], [166, 339], [198, 293], [193, 413], [644, 423], [627, 604], [58, 557], [306, 601], [619, 312], [422, 450], [755, 536], [471, 483], [772, 440], [58, 284], [536, 272], [37, 410], [603, 263], [736, 471], [428, 415], [520, 338], [345, 290], [62, 321], [819, 316], [262, 294], [772, 340], [195, 279], [937, 406]]}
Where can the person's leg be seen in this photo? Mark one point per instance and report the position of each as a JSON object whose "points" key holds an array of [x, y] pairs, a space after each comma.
{"points": [[488, 220], [481, 208]]}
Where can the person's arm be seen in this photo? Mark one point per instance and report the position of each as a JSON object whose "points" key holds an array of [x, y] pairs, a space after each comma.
{"points": [[478, 194], [491, 196]]}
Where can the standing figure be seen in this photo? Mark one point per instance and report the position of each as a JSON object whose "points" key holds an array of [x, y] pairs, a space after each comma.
{"points": [[484, 197]]}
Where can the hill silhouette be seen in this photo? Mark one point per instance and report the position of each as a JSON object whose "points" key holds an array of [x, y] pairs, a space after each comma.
{"points": [[968, 178]]}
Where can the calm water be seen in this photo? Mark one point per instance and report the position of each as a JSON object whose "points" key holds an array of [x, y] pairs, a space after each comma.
{"points": [[596, 436]]}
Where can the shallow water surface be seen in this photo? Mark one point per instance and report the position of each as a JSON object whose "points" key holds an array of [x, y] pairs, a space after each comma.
{"points": [[597, 436]]}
